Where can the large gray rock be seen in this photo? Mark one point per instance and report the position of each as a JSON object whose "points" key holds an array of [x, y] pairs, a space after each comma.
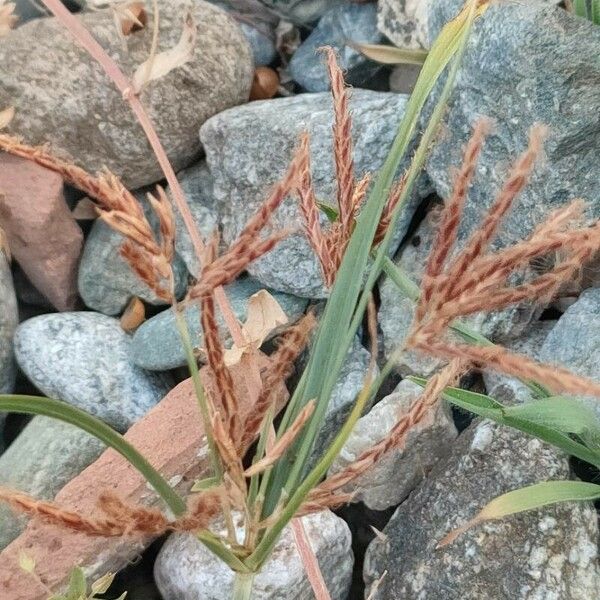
{"points": [[525, 63], [63, 96], [156, 344], [574, 341], [197, 184], [186, 570], [300, 11], [396, 312], [83, 359], [338, 27], [45, 456], [404, 22], [249, 148], [548, 554], [392, 479], [509, 390], [9, 319], [106, 282]]}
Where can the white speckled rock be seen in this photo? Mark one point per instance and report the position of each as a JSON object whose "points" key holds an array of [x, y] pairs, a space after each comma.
{"points": [[249, 148], [83, 359], [9, 318], [186, 570], [44, 457], [547, 554], [390, 480], [63, 96]]}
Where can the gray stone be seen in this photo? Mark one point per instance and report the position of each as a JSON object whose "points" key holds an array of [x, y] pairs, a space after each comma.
{"points": [[509, 390], [525, 63], [186, 570], [405, 22], [156, 344], [197, 184], [45, 456], [107, 283], [301, 12], [337, 28], [83, 359], [9, 319], [64, 97], [548, 554], [397, 311], [574, 342], [249, 148], [350, 382], [397, 473]]}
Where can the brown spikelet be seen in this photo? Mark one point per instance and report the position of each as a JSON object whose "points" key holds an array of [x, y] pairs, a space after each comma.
{"points": [[147, 270], [216, 361], [164, 211], [388, 211], [397, 436], [283, 360], [133, 519], [342, 140], [278, 449], [448, 227]]}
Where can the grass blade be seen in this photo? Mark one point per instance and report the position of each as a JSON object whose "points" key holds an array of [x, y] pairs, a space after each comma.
{"points": [[390, 55]]}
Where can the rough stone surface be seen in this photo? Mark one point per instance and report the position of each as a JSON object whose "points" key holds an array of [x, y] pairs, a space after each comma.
{"points": [[83, 359], [156, 344], [45, 456], [62, 95], [397, 311], [575, 340], [525, 63], [42, 234], [336, 28], [249, 148], [301, 11], [392, 479], [171, 437], [197, 184], [547, 554], [106, 281], [507, 389], [186, 570], [9, 319], [404, 22]]}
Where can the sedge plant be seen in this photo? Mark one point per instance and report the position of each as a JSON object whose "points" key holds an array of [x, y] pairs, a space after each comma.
{"points": [[255, 503]]}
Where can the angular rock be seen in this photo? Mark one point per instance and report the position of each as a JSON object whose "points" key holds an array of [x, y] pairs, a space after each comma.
{"points": [[405, 22], [338, 27], [171, 437], [301, 12], [42, 234], [572, 343], [63, 96], [547, 553], [525, 63], [247, 154], [106, 281], [392, 479], [156, 344], [9, 319], [83, 359], [197, 184], [397, 311], [507, 389], [186, 570], [45, 456]]}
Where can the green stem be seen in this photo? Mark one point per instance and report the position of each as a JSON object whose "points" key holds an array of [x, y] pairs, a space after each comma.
{"points": [[242, 586], [55, 409]]}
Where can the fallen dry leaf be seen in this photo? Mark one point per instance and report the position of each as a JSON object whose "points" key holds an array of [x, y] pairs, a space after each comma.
{"points": [[132, 17], [264, 317], [6, 116], [134, 315], [7, 17], [164, 62]]}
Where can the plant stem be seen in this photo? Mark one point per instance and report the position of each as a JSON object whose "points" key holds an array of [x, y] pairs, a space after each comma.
{"points": [[242, 586]]}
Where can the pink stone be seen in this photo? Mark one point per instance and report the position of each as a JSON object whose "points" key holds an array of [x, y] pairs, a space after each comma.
{"points": [[43, 236]]}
